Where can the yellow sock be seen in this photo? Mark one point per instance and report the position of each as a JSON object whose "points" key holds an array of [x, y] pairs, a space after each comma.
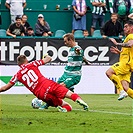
{"points": [[130, 92], [116, 81]]}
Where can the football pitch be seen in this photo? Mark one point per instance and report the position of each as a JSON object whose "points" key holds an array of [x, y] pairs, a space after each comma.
{"points": [[106, 115]]}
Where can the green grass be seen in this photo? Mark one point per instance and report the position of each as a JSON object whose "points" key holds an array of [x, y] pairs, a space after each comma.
{"points": [[106, 115]]}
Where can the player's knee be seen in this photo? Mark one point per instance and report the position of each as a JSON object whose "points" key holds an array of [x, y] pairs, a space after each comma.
{"points": [[109, 72], [68, 94], [63, 84]]}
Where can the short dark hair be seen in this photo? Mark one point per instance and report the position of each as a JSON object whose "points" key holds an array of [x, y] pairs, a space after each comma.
{"points": [[29, 28], [114, 14], [129, 22], [85, 31], [21, 59], [18, 17]]}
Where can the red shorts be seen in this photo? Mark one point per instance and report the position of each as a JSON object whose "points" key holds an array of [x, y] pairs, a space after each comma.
{"points": [[53, 93]]}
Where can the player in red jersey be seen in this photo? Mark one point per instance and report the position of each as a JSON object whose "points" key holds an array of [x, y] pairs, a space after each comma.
{"points": [[43, 88]]}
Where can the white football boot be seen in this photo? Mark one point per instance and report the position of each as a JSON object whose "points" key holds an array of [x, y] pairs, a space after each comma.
{"points": [[122, 95]]}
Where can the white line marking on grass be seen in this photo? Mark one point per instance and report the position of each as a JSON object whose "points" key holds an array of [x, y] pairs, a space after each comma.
{"points": [[106, 112]]}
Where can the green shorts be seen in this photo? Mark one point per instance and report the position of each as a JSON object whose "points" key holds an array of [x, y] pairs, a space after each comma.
{"points": [[69, 80]]}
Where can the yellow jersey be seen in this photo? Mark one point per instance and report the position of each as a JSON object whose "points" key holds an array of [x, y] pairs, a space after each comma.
{"points": [[126, 54]]}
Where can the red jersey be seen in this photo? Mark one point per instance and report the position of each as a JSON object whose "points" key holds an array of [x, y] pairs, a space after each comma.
{"points": [[31, 77]]}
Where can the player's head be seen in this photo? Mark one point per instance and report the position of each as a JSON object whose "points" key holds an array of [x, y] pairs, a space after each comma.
{"points": [[69, 39], [21, 59], [128, 27]]}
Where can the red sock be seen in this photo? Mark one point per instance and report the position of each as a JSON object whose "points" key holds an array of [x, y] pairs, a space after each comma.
{"points": [[75, 96], [67, 107]]}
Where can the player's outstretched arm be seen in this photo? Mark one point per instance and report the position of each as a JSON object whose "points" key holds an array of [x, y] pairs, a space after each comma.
{"points": [[77, 50], [46, 58], [127, 44], [6, 87], [86, 61], [113, 41]]}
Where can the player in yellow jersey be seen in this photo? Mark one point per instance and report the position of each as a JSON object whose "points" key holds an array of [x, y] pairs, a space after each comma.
{"points": [[120, 72]]}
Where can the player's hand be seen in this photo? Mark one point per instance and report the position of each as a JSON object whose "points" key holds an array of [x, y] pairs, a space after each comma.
{"points": [[45, 55], [63, 84], [86, 61], [113, 40], [115, 50]]}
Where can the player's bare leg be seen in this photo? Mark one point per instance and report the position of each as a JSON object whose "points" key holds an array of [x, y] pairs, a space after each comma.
{"points": [[115, 79]]}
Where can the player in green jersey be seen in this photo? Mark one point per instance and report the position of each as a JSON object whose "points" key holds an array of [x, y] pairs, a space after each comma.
{"points": [[72, 72]]}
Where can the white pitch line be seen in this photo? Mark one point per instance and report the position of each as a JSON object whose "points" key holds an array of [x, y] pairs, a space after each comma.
{"points": [[107, 112]]}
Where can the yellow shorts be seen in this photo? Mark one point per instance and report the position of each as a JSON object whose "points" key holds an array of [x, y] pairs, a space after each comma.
{"points": [[122, 70]]}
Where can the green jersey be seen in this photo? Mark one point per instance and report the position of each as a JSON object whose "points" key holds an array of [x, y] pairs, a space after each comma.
{"points": [[111, 3], [75, 60]]}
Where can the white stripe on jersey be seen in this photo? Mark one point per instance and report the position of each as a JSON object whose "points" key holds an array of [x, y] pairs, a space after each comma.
{"points": [[74, 63], [14, 79], [73, 72]]}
